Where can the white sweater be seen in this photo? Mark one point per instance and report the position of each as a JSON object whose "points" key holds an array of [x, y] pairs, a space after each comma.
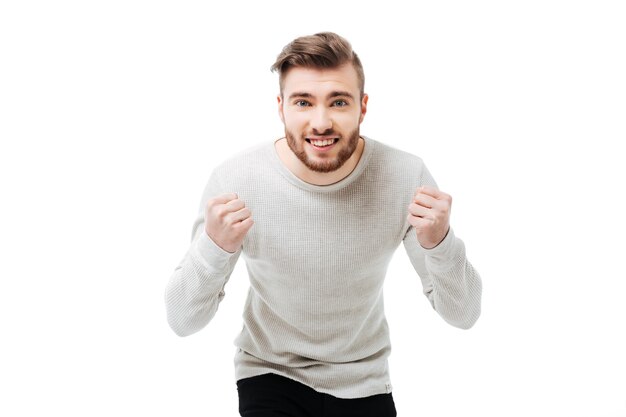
{"points": [[317, 258]]}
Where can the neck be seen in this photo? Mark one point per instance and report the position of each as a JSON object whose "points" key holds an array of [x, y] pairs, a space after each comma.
{"points": [[291, 161]]}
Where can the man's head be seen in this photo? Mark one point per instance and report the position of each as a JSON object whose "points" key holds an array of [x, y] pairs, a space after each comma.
{"points": [[321, 101]]}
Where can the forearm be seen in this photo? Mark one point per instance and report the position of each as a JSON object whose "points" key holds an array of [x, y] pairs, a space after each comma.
{"points": [[196, 287], [456, 285], [451, 283]]}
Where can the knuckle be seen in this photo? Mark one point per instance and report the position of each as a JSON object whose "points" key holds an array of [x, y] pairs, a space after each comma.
{"points": [[230, 219], [237, 204], [220, 211]]}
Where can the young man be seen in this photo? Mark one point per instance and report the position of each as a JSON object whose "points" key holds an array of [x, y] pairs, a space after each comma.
{"points": [[330, 207]]}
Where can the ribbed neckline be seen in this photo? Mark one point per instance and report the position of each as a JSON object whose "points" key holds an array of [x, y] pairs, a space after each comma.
{"points": [[368, 145]]}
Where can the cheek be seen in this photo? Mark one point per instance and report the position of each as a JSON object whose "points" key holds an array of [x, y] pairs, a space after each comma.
{"points": [[294, 120], [348, 120]]}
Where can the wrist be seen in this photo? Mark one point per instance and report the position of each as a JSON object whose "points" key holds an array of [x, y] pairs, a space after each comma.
{"points": [[429, 244]]}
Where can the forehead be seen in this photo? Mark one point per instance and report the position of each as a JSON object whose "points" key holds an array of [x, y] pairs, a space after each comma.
{"points": [[312, 80]]}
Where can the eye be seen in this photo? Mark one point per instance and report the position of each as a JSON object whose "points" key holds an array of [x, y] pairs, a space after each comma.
{"points": [[340, 103], [302, 103]]}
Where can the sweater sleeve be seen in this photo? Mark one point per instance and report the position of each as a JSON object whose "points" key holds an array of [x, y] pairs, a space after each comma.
{"points": [[450, 282], [196, 286]]}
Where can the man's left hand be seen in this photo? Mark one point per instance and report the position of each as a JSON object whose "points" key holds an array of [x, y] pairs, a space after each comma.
{"points": [[429, 214]]}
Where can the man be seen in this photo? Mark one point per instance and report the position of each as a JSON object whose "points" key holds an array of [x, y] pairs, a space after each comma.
{"points": [[317, 216]]}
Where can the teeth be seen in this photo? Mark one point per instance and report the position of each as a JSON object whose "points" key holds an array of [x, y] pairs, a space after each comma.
{"points": [[323, 142]]}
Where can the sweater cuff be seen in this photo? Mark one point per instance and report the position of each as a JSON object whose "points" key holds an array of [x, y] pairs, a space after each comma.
{"points": [[210, 254], [446, 254]]}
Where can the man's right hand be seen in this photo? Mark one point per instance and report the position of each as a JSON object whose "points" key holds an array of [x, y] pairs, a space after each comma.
{"points": [[227, 220]]}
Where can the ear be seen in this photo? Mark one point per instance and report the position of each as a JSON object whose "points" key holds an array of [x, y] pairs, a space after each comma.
{"points": [[363, 107], [280, 108]]}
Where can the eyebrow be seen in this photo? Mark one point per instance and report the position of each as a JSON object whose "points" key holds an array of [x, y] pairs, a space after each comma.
{"points": [[333, 94]]}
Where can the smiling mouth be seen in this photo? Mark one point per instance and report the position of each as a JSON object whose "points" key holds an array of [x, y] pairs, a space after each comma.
{"points": [[322, 143]]}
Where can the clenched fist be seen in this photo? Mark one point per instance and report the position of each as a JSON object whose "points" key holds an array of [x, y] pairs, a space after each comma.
{"points": [[227, 220], [429, 214]]}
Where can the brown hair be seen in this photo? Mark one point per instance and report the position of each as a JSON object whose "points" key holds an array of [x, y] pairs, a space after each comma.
{"points": [[322, 50]]}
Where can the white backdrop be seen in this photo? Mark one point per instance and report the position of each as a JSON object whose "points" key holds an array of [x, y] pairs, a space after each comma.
{"points": [[113, 114]]}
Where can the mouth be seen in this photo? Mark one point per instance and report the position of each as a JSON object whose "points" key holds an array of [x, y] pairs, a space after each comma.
{"points": [[323, 143]]}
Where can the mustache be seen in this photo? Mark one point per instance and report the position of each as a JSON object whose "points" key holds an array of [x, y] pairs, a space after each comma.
{"points": [[327, 132]]}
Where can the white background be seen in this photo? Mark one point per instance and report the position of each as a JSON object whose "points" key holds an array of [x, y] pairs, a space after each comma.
{"points": [[113, 114]]}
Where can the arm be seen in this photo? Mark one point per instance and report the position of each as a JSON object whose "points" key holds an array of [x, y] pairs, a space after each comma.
{"points": [[196, 287], [450, 282]]}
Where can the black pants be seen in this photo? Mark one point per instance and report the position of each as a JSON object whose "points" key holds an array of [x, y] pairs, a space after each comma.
{"points": [[272, 395]]}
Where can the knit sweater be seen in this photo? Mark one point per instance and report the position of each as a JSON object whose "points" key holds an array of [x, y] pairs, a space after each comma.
{"points": [[317, 257]]}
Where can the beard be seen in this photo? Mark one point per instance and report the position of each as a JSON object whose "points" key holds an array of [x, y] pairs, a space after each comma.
{"points": [[348, 145]]}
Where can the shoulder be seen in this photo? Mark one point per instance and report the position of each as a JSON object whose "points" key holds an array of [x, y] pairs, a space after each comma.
{"points": [[242, 171], [389, 160], [252, 156], [244, 164]]}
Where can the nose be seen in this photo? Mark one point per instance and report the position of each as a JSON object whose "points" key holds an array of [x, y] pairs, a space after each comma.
{"points": [[321, 121]]}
